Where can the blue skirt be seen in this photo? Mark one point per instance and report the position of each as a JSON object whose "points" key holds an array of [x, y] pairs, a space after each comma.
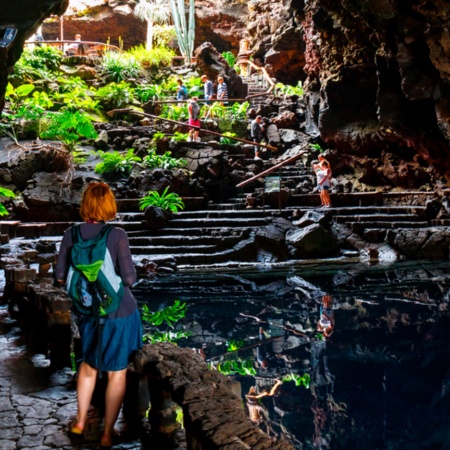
{"points": [[120, 338]]}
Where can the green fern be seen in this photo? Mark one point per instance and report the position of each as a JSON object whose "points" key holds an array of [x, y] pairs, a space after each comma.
{"points": [[167, 200], [116, 162]]}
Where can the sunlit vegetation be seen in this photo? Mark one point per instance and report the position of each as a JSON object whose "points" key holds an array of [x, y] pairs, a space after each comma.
{"points": [[170, 201], [5, 193]]}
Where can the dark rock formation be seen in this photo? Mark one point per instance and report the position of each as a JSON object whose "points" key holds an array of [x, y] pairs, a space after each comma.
{"points": [[24, 16]]}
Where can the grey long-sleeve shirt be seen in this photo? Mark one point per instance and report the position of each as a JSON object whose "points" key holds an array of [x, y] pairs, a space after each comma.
{"points": [[119, 249]]}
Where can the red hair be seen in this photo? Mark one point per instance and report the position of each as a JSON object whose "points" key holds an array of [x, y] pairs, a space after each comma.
{"points": [[98, 203]]}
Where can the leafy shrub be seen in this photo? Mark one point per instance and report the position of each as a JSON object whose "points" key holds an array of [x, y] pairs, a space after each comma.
{"points": [[180, 137], [119, 66], [116, 162], [286, 90], [227, 140], [146, 92], [115, 95], [68, 127], [7, 194], [155, 57], [168, 316], [167, 200], [229, 58], [175, 112], [152, 161]]}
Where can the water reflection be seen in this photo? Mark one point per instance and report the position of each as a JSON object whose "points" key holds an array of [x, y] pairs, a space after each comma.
{"points": [[363, 353]]}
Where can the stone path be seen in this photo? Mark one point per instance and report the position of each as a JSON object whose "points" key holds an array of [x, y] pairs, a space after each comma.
{"points": [[36, 403]]}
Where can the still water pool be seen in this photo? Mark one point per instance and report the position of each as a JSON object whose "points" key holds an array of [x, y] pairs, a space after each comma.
{"points": [[363, 351]]}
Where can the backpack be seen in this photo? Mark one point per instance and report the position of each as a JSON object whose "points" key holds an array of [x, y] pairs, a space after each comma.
{"points": [[195, 110], [184, 92], [92, 282]]}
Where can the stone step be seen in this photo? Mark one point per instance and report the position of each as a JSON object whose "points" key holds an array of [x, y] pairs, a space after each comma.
{"points": [[203, 214], [173, 250], [194, 231], [180, 240], [375, 235], [225, 222], [440, 222], [377, 218], [359, 227]]}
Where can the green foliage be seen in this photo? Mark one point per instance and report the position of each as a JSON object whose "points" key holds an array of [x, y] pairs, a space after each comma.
{"points": [[115, 95], [146, 92], [116, 162], [119, 66], [180, 137], [155, 57], [45, 57], [299, 380], [68, 127], [163, 34], [316, 147], [157, 136], [6, 193], [167, 200], [286, 90], [233, 345], [167, 316], [152, 161], [229, 58], [226, 140], [175, 112], [230, 367], [78, 98], [16, 96], [184, 29]]}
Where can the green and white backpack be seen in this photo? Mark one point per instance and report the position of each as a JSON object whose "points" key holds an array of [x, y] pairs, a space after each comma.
{"points": [[92, 282]]}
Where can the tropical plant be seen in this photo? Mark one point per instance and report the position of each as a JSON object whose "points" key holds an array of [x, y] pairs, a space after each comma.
{"points": [[115, 95], [163, 34], [227, 140], [119, 66], [155, 57], [239, 110], [167, 200], [153, 11], [68, 127], [185, 31], [116, 162], [78, 98], [152, 160], [6, 193], [230, 367], [146, 92], [229, 58], [299, 380], [175, 112], [234, 344], [316, 147], [180, 137], [167, 316], [16, 96], [286, 90]]}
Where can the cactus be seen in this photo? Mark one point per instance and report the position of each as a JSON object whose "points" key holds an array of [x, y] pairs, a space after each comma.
{"points": [[185, 35]]}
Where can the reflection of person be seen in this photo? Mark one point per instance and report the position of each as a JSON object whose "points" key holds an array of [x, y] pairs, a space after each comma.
{"points": [[254, 408], [323, 173], [194, 111], [222, 90], [122, 332], [326, 320], [256, 133]]}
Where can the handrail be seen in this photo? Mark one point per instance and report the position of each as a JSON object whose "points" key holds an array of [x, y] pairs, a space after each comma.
{"points": [[263, 70], [56, 42], [272, 169]]}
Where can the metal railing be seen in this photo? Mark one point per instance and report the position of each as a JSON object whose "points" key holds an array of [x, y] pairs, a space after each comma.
{"points": [[90, 49]]}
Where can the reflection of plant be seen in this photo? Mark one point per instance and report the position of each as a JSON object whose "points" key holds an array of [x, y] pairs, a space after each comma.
{"points": [[7, 194], [242, 367], [234, 345], [299, 380], [116, 162], [68, 127], [152, 160], [169, 316], [167, 200]]}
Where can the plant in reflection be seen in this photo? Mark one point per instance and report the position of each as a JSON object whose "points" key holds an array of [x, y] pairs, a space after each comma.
{"points": [[299, 380], [167, 200], [235, 344], [236, 366], [6, 193], [167, 317], [116, 162]]}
